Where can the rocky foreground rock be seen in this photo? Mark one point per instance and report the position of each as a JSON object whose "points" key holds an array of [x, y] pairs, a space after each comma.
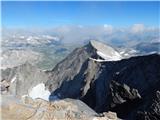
{"points": [[38, 109]]}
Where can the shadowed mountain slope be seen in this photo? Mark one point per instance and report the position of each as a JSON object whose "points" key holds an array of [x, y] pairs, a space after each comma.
{"points": [[80, 77]]}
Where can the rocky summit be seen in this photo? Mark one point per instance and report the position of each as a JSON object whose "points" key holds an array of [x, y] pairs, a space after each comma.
{"points": [[39, 109], [93, 82]]}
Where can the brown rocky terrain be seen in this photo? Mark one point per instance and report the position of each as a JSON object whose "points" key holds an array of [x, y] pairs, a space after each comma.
{"points": [[38, 109]]}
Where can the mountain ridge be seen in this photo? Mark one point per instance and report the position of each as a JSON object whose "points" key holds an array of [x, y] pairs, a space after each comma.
{"points": [[129, 83]]}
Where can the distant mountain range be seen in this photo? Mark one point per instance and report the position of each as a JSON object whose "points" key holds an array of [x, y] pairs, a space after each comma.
{"points": [[42, 50], [46, 48]]}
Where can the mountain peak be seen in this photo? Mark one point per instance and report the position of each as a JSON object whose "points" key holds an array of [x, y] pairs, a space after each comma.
{"points": [[105, 52]]}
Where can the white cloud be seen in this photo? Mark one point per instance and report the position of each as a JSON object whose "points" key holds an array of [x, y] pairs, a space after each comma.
{"points": [[137, 28], [108, 28], [79, 34]]}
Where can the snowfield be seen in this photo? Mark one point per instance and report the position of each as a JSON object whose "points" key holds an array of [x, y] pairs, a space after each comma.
{"points": [[39, 92], [107, 53], [108, 57]]}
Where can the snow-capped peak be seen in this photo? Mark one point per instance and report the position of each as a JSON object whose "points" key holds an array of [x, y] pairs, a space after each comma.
{"points": [[105, 52]]}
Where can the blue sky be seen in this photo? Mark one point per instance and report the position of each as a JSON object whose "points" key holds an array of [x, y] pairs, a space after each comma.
{"points": [[52, 13]]}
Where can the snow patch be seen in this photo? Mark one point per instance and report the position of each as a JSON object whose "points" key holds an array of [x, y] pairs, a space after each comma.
{"points": [[115, 57], [122, 52], [51, 37], [105, 52], [13, 79], [98, 60], [23, 96], [39, 92]]}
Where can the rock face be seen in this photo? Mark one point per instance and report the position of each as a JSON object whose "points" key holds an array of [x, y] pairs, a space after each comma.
{"points": [[122, 93], [77, 76], [140, 74], [67, 109], [123, 98], [22, 78], [77, 70], [152, 110], [70, 71]]}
